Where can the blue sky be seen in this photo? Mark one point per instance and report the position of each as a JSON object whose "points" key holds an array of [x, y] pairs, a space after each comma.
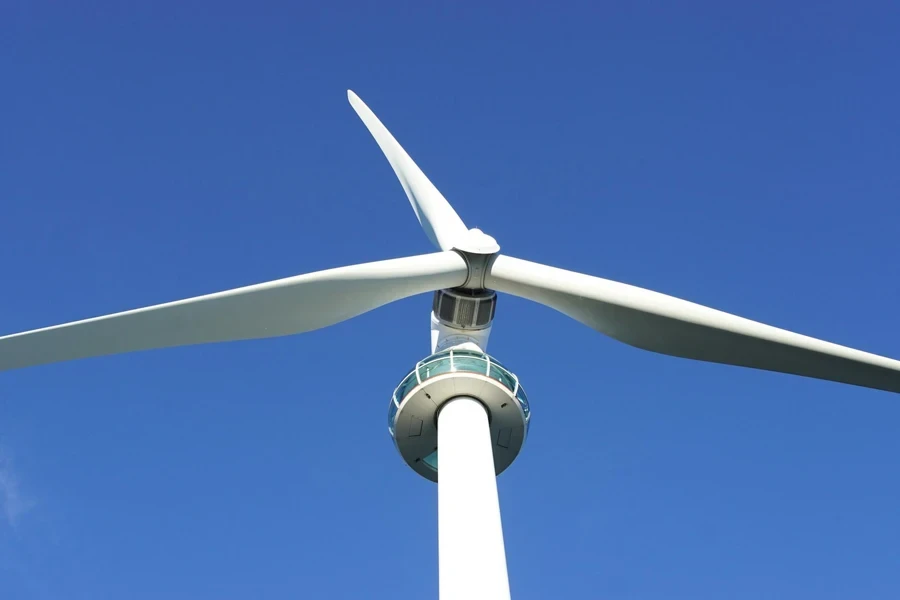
{"points": [[740, 157]]}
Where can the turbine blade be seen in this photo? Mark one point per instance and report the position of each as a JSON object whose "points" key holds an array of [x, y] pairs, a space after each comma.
{"points": [[441, 223], [272, 309], [667, 325]]}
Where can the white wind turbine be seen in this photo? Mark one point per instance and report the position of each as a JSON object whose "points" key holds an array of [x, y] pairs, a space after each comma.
{"points": [[459, 398]]}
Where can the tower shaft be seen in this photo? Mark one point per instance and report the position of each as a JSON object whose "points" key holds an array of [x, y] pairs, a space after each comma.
{"points": [[472, 556]]}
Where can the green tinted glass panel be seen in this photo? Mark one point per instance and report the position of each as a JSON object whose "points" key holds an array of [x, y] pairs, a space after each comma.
{"points": [[523, 400], [392, 412], [520, 394], [503, 376], [494, 361], [431, 460], [434, 367], [408, 383], [469, 364]]}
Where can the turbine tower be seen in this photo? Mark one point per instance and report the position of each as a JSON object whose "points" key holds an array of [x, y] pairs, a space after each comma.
{"points": [[459, 417]]}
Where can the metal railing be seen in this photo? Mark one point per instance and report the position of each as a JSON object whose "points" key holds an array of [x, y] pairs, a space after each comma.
{"points": [[456, 361]]}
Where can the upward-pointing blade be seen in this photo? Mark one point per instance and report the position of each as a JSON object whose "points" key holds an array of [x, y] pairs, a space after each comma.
{"points": [[441, 223], [667, 325], [272, 309]]}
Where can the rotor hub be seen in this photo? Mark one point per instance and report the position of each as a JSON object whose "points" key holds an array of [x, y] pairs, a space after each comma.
{"points": [[478, 250], [475, 241]]}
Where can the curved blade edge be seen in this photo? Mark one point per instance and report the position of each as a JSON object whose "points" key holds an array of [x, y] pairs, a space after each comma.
{"points": [[438, 219], [668, 325], [273, 309]]}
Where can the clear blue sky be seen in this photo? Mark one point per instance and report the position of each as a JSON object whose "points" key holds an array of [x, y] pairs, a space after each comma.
{"points": [[745, 158]]}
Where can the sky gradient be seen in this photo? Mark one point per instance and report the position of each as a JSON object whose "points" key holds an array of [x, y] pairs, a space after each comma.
{"points": [[740, 157]]}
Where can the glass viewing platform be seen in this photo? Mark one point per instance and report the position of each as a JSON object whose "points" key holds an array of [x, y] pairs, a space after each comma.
{"points": [[457, 361]]}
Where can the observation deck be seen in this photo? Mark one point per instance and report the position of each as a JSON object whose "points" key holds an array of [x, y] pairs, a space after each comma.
{"points": [[437, 379]]}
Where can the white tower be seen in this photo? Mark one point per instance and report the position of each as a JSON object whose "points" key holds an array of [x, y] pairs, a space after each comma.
{"points": [[460, 418]]}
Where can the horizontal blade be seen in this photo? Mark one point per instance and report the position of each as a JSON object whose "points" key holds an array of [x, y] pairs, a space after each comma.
{"points": [[277, 308], [667, 325], [441, 223]]}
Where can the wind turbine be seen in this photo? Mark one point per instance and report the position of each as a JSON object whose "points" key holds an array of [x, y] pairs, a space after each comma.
{"points": [[459, 398]]}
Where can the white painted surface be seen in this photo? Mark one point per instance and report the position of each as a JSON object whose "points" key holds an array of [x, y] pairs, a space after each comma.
{"points": [[272, 309], [477, 242], [668, 325], [444, 337], [471, 551], [441, 223]]}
